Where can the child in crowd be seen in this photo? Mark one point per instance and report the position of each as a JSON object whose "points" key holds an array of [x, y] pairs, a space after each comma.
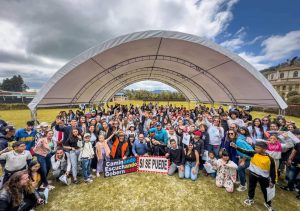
{"points": [[209, 164], [102, 153], [274, 149], [226, 172], [86, 155]]}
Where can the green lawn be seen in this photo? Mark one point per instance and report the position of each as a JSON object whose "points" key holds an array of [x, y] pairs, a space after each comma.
{"points": [[145, 191]]}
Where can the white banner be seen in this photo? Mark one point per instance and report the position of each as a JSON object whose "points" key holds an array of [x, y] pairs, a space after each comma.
{"points": [[155, 164]]}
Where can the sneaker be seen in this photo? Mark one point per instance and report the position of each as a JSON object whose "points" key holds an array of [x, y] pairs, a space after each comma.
{"points": [[286, 188], [50, 187], [94, 170], [298, 196], [76, 182], [88, 180], [269, 207], [237, 182], [249, 202], [97, 174], [241, 188], [92, 177]]}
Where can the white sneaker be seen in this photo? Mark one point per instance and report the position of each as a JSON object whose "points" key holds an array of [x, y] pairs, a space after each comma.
{"points": [[270, 208], [241, 188], [237, 182], [94, 170], [97, 174], [249, 202], [88, 181], [92, 177]]}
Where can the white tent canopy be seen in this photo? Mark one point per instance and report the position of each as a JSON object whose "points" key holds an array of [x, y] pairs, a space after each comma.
{"points": [[202, 70]]}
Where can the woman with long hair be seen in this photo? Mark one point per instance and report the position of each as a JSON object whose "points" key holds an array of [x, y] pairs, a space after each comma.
{"points": [[18, 194], [216, 134], [230, 137], [72, 146], [43, 151], [256, 130], [192, 160]]}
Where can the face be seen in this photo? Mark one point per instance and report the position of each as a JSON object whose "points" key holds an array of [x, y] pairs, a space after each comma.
{"points": [[73, 123], [211, 155], [59, 153], [104, 124], [121, 138], [233, 116], [29, 127], [290, 127], [141, 137], [20, 148], [242, 131], [272, 139], [225, 158], [36, 167], [44, 128], [173, 144], [50, 134], [256, 122], [233, 127], [82, 119], [191, 146], [259, 149], [202, 128], [265, 121], [210, 119], [171, 131], [273, 127], [87, 138], [158, 127], [224, 117], [231, 134], [75, 132], [92, 128], [216, 122], [24, 180]]}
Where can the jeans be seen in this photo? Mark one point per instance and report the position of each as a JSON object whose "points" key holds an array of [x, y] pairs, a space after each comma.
{"points": [[85, 165], [292, 175], [242, 172], [45, 163], [172, 170], [74, 162], [215, 149], [188, 168]]}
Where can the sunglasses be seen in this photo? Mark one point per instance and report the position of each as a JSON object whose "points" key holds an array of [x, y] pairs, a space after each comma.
{"points": [[231, 133], [265, 120]]}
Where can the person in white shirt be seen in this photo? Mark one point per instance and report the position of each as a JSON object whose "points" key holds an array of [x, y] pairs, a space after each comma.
{"points": [[234, 119], [86, 155]]}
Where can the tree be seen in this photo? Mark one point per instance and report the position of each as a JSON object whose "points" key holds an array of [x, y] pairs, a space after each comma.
{"points": [[294, 99], [292, 93], [15, 84]]}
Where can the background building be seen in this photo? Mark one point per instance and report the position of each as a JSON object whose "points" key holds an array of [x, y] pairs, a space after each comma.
{"points": [[119, 96], [7, 97], [285, 77]]}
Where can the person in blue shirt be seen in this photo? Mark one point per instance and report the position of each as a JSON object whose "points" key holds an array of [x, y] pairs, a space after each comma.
{"points": [[161, 134], [140, 146], [27, 135]]}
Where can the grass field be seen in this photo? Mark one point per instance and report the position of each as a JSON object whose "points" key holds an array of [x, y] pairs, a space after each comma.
{"points": [[145, 191]]}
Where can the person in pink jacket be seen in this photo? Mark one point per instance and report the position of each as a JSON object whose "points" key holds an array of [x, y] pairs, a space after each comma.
{"points": [[102, 153], [274, 149]]}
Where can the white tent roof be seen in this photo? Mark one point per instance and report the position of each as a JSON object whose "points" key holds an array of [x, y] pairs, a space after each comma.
{"points": [[200, 69]]}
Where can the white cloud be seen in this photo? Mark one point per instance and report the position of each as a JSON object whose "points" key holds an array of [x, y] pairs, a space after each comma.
{"points": [[237, 42], [257, 61]]}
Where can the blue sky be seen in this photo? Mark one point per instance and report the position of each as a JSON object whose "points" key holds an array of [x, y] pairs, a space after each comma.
{"points": [[38, 41]]}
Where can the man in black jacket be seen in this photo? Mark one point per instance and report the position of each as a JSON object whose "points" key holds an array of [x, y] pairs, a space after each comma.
{"points": [[66, 129], [177, 159]]}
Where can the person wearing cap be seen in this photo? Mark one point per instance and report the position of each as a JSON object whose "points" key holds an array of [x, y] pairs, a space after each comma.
{"points": [[86, 155], [7, 136], [161, 134], [43, 128], [120, 148], [198, 143], [15, 160], [27, 135], [294, 166], [262, 170]]}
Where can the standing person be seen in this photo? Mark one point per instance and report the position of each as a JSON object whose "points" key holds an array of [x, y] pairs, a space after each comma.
{"points": [[140, 147], [18, 194], [27, 135], [274, 149], [60, 163], [72, 146], [256, 130], [102, 153], [120, 148], [226, 172], [67, 130], [86, 155], [6, 137], [161, 134], [262, 170], [234, 114], [173, 135], [216, 134], [41, 134], [192, 161], [43, 151], [16, 160], [230, 137], [198, 144], [177, 159]]}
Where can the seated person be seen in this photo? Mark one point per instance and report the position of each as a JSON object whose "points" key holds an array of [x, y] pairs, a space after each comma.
{"points": [[60, 163], [140, 146]]}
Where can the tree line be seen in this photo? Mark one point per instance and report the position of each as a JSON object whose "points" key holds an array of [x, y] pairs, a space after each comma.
{"points": [[14, 84], [148, 95]]}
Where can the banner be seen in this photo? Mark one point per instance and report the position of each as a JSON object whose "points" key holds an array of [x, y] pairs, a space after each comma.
{"points": [[120, 166], [155, 164]]}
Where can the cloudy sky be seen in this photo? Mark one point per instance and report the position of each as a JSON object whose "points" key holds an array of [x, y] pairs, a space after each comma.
{"points": [[39, 37]]}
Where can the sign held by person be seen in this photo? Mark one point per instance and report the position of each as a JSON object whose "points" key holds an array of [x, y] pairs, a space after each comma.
{"points": [[154, 164], [120, 166]]}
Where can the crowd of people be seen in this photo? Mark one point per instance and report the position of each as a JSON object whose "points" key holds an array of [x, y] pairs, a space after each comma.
{"points": [[228, 146]]}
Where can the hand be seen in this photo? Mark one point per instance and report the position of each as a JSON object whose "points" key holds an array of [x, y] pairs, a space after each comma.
{"points": [[233, 145], [298, 165], [58, 121], [285, 135], [67, 173], [194, 171], [242, 163], [289, 162], [125, 157], [40, 201], [181, 168], [271, 185], [167, 155]]}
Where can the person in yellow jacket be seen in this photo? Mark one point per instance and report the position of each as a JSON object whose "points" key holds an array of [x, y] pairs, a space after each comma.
{"points": [[262, 170]]}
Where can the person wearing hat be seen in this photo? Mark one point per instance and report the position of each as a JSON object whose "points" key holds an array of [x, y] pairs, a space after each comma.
{"points": [[120, 148], [27, 135], [161, 134], [262, 170], [198, 143], [19, 154], [294, 166], [43, 128], [86, 155], [6, 137]]}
